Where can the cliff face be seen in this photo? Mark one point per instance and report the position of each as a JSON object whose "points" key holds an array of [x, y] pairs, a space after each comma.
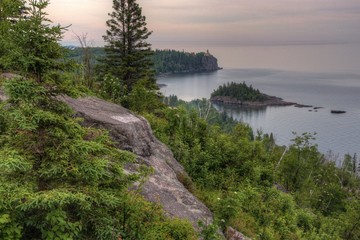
{"points": [[133, 133], [209, 62]]}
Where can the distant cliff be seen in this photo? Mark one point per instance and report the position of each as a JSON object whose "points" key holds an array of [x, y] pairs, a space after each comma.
{"points": [[171, 61], [209, 62]]}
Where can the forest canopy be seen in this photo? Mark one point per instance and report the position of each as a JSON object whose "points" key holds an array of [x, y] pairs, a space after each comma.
{"points": [[239, 91], [165, 61]]}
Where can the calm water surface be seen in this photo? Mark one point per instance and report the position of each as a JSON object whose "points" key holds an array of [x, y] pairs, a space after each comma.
{"points": [[335, 85]]}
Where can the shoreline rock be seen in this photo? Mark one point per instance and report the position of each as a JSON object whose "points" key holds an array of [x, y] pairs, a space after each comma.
{"points": [[338, 111], [303, 106], [271, 101]]}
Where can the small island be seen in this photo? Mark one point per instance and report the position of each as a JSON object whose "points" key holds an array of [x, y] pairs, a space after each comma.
{"points": [[244, 95]]}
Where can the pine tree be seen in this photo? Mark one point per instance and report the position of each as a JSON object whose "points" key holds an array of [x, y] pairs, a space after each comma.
{"points": [[33, 47], [10, 12], [128, 55]]}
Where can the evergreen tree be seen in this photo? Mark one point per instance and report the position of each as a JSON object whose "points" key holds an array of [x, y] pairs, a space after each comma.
{"points": [[128, 55], [10, 12], [33, 47]]}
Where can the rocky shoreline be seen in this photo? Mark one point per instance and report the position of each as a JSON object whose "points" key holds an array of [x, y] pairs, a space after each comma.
{"points": [[270, 101]]}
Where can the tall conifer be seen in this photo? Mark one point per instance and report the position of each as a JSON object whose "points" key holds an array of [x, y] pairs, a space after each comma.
{"points": [[127, 51]]}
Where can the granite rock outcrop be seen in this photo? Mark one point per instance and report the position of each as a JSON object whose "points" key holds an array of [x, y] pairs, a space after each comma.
{"points": [[133, 133], [209, 62]]}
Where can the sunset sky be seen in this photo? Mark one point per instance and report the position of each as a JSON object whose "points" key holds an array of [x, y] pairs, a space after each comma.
{"points": [[222, 22]]}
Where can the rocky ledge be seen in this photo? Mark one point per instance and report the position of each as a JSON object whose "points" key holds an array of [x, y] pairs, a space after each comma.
{"points": [[271, 101], [133, 133]]}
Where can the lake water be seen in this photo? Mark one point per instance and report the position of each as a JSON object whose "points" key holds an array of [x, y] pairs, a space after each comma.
{"points": [[326, 76]]}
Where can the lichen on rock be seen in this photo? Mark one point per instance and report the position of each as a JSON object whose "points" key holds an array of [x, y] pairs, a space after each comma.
{"points": [[133, 133]]}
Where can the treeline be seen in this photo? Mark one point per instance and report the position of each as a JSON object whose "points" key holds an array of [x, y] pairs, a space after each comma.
{"points": [[239, 91], [164, 61], [261, 189], [171, 61], [75, 53]]}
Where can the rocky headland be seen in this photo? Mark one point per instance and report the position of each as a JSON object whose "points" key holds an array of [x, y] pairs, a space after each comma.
{"points": [[209, 62], [169, 62]]}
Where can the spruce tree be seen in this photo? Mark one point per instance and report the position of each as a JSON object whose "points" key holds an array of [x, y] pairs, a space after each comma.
{"points": [[10, 13], [32, 43], [128, 54]]}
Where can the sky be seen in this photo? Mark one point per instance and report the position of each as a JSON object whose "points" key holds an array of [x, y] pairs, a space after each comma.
{"points": [[221, 21]]}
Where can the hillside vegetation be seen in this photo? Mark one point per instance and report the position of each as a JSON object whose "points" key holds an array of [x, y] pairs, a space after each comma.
{"points": [[263, 190], [62, 180]]}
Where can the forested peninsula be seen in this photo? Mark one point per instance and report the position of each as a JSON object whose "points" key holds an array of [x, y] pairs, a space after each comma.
{"points": [[171, 61], [164, 61]]}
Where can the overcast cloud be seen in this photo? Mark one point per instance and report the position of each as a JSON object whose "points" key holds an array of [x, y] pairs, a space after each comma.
{"points": [[235, 21]]}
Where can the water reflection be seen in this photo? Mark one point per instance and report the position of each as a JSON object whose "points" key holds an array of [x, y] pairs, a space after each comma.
{"points": [[339, 133], [241, 113]]}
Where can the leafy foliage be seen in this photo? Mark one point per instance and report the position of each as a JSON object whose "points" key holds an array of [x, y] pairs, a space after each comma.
{"points": [[261, 189]]}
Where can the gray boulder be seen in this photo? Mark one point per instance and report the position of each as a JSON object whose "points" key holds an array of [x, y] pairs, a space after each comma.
{"points": [[133, 133], [232, 234]]}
